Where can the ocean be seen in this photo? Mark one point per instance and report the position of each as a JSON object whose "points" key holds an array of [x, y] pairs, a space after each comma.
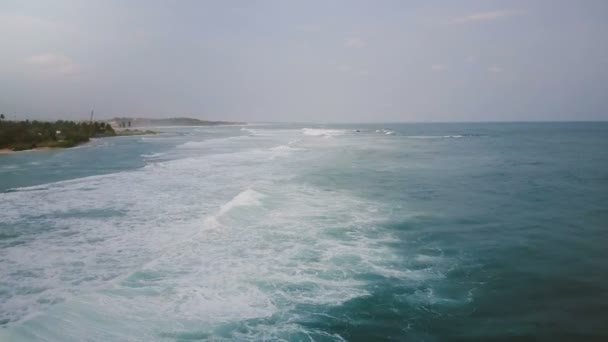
{"points": [[302, 232]]}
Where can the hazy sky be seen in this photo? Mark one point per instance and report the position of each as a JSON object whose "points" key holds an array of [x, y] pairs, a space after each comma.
{"points": [[330, 61]]}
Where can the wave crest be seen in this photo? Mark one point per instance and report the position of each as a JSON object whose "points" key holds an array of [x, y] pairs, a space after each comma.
{"points": [[322, 132]]}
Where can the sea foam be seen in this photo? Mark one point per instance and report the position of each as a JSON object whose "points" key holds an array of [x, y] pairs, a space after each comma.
{"points": [[201, 245], [322, 132]]}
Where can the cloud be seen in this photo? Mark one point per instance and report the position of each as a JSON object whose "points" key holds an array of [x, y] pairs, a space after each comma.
{"points": [[439, 67], [486, 16], [495, 69], [354, 43], [52, 63]]}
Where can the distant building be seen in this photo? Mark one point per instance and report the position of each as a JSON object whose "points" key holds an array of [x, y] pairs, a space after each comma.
{"points": [[120, 122]]}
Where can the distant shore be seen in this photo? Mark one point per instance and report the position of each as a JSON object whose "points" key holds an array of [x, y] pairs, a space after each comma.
{"points": [[128, 132], [119, 133], [130, 122], [18, 136]]}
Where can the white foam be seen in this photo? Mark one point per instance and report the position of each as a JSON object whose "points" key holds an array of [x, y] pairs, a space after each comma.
{"points": [[433, 136], [427, 258], [247, 197], [322, 132], [124, 254], [285, 148], [252, 131], [152, 155], [259, 263]]}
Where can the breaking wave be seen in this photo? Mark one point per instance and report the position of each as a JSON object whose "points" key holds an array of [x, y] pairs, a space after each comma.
{"points": [[223, 242], [322, 132]]}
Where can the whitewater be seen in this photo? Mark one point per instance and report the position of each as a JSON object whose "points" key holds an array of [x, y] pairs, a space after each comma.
{"points": [[298, 233]]}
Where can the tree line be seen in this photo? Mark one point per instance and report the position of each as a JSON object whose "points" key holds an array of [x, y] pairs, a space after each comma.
{"points": [[25, 135]]}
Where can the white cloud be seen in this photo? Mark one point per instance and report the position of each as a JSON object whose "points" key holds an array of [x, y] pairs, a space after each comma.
{"points": [[52, 63], [439, 67], [495, 69], [354, 43], [486, 16]]}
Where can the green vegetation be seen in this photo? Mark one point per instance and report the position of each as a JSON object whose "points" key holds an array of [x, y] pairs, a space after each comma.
{"points": [[26, 135]]}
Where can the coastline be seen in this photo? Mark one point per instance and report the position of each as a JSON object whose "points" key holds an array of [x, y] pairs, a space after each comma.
{"points": [[44, 148], [122, 132], [119, 133]]}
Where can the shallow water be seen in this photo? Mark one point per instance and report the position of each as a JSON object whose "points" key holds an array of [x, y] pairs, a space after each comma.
{"points": [[421, 232]]}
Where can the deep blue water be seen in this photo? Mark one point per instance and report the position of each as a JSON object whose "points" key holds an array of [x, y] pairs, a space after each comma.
{"points": [[418, 232]]}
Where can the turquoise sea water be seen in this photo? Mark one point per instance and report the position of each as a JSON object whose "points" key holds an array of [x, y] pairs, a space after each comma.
{"points": [[417, 232]]}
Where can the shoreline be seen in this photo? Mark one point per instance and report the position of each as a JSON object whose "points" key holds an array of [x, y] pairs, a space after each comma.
{"points": [[122, 133], [44, 148]]}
